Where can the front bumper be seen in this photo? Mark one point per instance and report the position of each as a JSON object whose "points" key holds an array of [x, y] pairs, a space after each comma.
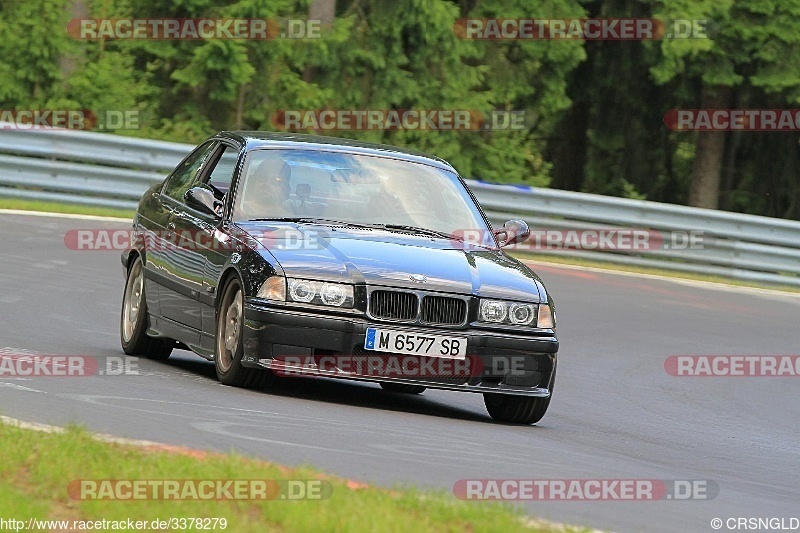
{"points": [[296, 342]]}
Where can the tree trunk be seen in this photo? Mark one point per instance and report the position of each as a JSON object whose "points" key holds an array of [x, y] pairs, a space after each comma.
{"points": [[567, 149], [67, 62], [325, 12], [709, 154], [239, 120]]}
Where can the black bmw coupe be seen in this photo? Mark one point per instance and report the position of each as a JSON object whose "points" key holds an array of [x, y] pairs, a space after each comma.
{"points": [[279, 255]]}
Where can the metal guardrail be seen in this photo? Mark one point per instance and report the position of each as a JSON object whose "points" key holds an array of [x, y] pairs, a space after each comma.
{"points": [[734, 245], [113, 171]]}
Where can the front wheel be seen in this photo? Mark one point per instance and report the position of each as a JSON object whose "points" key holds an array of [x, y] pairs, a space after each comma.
{"points": [[229, 342], [518, 409], [133, 319], [515, 409]]}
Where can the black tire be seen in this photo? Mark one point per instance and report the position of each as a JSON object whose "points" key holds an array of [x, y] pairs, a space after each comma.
{"points": [[134, 317], [517, 409], [403, 388], [229, 343]]}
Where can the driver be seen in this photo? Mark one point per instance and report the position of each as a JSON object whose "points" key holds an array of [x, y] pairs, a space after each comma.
{"points": [[268, 191]]}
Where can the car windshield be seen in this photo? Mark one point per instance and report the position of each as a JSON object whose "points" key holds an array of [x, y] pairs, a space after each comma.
{"points": [[353, 189]]}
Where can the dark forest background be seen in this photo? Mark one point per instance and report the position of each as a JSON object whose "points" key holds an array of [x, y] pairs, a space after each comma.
{"points": [[595, 109]]}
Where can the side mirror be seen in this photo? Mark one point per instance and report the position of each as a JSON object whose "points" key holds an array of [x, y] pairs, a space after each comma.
{"points": [[512, 232], [203, 200]]}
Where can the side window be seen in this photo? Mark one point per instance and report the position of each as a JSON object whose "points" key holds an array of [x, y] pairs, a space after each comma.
{"points": [[222, 173], [184, 176]]}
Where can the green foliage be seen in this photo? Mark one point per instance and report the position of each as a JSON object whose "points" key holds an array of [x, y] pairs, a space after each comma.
{"points": [[594, 110], [31, 50]]}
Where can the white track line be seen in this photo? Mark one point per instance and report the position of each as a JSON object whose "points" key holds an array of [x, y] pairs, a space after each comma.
{"points": [[60, 215], [46, 428]]}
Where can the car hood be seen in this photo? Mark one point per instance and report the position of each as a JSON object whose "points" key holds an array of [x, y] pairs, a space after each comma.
{"points": [[389, 258]]}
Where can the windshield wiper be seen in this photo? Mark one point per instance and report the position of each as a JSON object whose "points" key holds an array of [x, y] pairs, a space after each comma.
{"points": [[422, 231], [325, 221], [390, 227], [276, 219]]}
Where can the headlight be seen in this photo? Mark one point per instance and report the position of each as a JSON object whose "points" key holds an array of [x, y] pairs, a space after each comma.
{"points": [[301, 290], [274, 288], [547, 317], [516, 314], [335, 293], [493, 311], [521, 314], [320, 293]]}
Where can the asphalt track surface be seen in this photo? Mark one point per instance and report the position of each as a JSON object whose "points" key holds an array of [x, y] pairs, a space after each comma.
{"points": [[616, 413]]}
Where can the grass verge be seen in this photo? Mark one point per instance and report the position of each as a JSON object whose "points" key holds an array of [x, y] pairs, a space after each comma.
{"points": [[59, 207], [38, 466]]}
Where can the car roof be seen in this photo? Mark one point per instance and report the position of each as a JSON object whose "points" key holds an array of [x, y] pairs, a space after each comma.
{"points": [[254, 140]]}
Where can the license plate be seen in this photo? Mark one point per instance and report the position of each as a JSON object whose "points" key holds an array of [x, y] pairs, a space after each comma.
{"points": [[406, 342]]}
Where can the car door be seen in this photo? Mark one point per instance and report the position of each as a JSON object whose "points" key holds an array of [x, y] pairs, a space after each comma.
{"points": [[202, 241], [215, 242], [180, 267]]}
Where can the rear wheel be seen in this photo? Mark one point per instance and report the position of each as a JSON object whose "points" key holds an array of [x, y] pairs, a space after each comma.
{"points": [[133, 319], [403, 388], [229, 342]]}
